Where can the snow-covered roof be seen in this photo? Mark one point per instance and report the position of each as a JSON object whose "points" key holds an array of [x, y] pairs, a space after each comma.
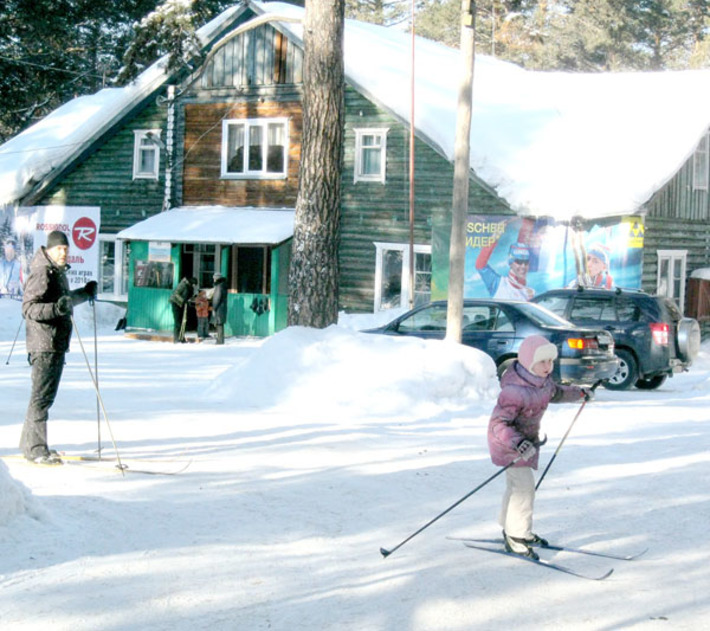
{"points": [[215, 224], [556, 144], [550, 143], [67, 131]]}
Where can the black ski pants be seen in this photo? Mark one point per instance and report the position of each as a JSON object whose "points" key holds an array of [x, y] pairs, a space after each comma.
{"points": [[178, 315], [46, 374]]}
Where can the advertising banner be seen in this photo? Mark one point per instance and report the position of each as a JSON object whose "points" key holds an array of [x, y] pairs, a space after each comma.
{"points": [[24, 232], [517, 258]]}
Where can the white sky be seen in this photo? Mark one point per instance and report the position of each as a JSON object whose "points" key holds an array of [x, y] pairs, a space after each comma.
{"points": [[550, 143]]}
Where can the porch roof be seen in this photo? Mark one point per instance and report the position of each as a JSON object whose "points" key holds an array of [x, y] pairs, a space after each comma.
{"points": [[215, 224]]}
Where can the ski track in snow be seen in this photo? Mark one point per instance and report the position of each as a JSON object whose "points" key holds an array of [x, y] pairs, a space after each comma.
{"points": [[278, 521]]}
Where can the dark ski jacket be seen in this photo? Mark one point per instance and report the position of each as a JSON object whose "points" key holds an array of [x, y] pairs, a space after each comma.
{"points": [[183, 292], [48, 332], [522, 401], [219, 301]]}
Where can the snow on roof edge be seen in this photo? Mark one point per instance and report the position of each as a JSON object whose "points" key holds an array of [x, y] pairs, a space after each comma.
{"points": [[215, 224]]}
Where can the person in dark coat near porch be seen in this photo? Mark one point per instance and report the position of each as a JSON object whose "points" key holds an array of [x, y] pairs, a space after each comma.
{"points": [[219, 306], [179, 300], [47, 307]]}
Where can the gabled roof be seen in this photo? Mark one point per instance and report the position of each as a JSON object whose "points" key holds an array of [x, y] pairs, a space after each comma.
{"points": [[549, 143]]}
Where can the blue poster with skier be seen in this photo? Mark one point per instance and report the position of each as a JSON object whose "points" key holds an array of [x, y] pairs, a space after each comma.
{"points": [[514, 258]]}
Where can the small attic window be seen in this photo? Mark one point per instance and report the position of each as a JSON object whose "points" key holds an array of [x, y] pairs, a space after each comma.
{"points": [[701, 165], [146, 154]]}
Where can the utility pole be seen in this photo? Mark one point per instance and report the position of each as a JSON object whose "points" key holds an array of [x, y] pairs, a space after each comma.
{"points": [[462, 161]]}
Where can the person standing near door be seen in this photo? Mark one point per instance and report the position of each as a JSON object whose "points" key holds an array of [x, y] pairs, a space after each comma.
{"points": [[219, 306], [179, 300]]}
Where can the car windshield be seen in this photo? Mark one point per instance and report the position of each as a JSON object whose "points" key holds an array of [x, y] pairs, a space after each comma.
{"points": [[543, 316]]}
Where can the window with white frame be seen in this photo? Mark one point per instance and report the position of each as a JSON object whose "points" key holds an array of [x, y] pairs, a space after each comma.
{"points": [[255, 148], [370, 155], [671, 275], [146, 154], [701, 165], [113, 266], [392, 275]]}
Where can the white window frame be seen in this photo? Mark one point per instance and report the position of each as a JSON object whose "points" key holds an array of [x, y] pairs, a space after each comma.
{"points": [[146, 140], [360, 147], [248, 123], [701, 164], [380, 248], [118, 265], [665, 285]]}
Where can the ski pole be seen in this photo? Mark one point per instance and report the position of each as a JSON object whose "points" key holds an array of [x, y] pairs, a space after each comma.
{"points": [[564, 438], [386, 553], [98, 396], [13, 343], [96, 372]]}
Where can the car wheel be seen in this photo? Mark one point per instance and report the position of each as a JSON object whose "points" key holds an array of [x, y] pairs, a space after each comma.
{"points": [[504, 365], [652, 383], [626, 375]]}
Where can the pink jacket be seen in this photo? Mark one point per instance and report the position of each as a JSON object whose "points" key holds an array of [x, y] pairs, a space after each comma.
{"points": [[522, 401]]}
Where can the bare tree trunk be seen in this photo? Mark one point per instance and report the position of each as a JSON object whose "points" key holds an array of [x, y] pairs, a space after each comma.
{"points": [[314, 273], [462, 164]]}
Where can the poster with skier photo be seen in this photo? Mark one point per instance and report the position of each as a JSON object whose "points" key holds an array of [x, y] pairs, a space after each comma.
{"points": [[516, 258]]}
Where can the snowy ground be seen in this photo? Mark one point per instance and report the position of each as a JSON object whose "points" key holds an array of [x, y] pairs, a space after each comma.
{"points": [[310, 451]]}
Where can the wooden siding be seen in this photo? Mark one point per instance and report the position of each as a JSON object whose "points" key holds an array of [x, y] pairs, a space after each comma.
{"points": [[372, 211], [105, 178], [262, 56], [678, 218], [662, 234], [201, 163], [677, 199]]}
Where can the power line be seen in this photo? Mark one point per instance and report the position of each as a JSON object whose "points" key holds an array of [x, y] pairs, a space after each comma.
{"points": [[43, 67]]}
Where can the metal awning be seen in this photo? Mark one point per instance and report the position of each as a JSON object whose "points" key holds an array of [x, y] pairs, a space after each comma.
{"points": [[215, 224]]}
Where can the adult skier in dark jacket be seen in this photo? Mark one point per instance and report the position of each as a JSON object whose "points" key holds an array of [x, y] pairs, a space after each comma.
{"points": [[47, 306]]}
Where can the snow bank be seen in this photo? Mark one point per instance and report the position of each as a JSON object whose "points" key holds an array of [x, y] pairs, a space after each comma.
{"points": [[15, 498], [107, 316], [326, 372]]}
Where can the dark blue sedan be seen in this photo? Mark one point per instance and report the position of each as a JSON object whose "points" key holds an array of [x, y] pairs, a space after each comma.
{"points": [[498, 328]]}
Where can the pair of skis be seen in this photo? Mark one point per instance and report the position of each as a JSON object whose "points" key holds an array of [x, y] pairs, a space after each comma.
{"points": [[144, 467], [129, 465], [480, 544]]}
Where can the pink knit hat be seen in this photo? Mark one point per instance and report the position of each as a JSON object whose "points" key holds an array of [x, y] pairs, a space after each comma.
{"points": [[535, 349]]}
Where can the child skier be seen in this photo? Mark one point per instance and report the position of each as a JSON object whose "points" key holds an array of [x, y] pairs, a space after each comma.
{"points": [[513, 430]]}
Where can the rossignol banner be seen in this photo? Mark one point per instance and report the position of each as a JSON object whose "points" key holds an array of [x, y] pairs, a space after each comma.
{"points": [[24, 232]]}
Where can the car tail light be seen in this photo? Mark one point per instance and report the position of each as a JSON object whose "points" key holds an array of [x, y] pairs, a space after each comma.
{"points": [[582, 343], [659, 333]]}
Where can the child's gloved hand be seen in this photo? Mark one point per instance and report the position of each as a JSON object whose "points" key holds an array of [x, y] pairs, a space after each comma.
{"points": [[588, 393], [526, 449]]}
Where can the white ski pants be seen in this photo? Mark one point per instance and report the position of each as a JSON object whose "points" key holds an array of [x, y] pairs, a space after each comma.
{"points": [[516, 513]]}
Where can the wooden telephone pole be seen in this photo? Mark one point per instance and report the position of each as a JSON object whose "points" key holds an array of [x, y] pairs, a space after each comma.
{"points": [[462, 161]]}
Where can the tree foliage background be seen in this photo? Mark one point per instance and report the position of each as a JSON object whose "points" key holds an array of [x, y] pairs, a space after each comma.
{"points": [[54, 50]]}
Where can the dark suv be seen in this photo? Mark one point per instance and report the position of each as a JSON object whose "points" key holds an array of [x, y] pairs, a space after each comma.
{"points": [[653, 340]]}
